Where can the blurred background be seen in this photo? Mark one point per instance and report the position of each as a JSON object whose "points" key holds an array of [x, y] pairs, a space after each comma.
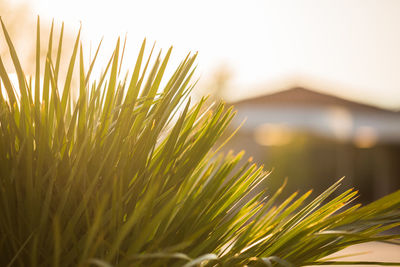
{"points": [[318, 82]]}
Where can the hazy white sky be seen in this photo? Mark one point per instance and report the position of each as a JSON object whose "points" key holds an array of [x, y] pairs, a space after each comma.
{"points": [[347, 47]]}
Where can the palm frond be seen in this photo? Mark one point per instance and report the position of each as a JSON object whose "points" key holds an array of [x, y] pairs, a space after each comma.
{"points": [[125, 174]]}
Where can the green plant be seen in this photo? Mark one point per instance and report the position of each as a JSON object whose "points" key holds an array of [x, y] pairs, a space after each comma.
{"points": [[124, 175]]}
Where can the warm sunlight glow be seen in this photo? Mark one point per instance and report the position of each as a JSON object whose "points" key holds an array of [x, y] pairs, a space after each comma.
{"points": [[263, 41], [365, 137], [14, 81], [273, 135], [340, 121]]}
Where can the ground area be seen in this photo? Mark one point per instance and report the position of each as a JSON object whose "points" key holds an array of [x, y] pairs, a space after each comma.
{"points": [[372, 251]]}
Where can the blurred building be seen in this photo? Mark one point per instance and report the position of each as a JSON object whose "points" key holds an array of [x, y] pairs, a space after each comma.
{"points": [[314, 139]]}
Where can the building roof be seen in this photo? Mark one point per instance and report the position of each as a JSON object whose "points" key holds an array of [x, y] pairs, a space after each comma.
{"points": [[299, 96], [300, 109]]}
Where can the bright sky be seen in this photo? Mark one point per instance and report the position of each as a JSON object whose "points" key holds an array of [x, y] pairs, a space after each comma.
{"points": [[346, 47]]}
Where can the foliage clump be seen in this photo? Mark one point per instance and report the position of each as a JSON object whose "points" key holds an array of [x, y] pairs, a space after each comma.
{"points": [[124, 175]]}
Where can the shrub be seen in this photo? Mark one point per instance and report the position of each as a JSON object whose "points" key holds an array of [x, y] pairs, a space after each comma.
{"points": [[124, 174]]}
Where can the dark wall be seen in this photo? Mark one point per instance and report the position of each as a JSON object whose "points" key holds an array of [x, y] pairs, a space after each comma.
{"points": [[314, 162]]}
